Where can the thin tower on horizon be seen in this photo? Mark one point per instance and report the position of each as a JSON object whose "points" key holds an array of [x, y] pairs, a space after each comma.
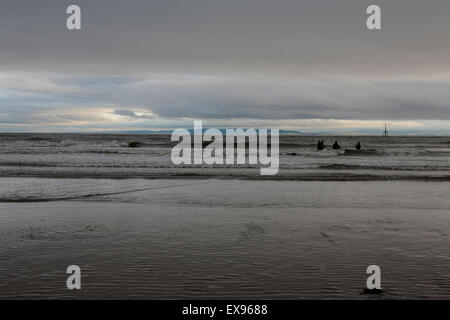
{"points": [[386, 133]]}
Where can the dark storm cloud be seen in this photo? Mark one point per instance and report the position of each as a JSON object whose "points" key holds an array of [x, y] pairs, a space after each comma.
{"points": [[275, 99], [225, 36]]}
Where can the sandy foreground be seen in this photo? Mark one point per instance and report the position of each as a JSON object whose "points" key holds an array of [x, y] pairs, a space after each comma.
{"points": [[230, 239]]}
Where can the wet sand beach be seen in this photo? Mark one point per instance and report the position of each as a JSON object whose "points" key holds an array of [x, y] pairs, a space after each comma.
{"points": [[225, 239]]}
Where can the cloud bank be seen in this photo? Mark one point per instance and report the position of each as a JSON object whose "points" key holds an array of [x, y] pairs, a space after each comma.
{"points": [[158, 64]]}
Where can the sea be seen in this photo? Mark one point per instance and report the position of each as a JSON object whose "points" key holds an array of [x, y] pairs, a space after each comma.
{"points": [[109, 156]]}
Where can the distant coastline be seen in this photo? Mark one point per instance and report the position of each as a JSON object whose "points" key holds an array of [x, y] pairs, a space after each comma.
{"points": [[366, 133]]}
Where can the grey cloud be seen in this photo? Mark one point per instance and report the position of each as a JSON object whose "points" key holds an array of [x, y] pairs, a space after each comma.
{"points": [[227, 98], [216, 36], [293, 99]]}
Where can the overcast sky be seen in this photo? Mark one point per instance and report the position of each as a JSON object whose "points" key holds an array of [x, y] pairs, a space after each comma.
{"points": [[309, 65]]}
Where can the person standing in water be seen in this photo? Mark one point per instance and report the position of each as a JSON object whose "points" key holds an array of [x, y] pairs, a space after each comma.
{"points": [[336, 145], [320, 145], [358, 146]]}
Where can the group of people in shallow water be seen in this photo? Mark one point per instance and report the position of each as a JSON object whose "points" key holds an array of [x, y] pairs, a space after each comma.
{"points": [[336, 146]]}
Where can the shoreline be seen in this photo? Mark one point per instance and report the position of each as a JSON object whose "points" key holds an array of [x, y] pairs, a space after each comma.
{"points": [[234, 174]]}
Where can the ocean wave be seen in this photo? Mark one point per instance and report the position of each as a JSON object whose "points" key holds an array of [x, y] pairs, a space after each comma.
{"points": [[363, 152], [84, 150], [341, 166], [58, 144]]}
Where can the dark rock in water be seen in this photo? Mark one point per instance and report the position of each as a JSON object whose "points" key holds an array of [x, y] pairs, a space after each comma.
{"points": [[373, 291], [135, 144]]}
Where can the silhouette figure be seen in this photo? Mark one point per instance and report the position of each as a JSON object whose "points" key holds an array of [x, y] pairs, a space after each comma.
{"points": [[358, 146], [320, 145], [336, 146]]}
